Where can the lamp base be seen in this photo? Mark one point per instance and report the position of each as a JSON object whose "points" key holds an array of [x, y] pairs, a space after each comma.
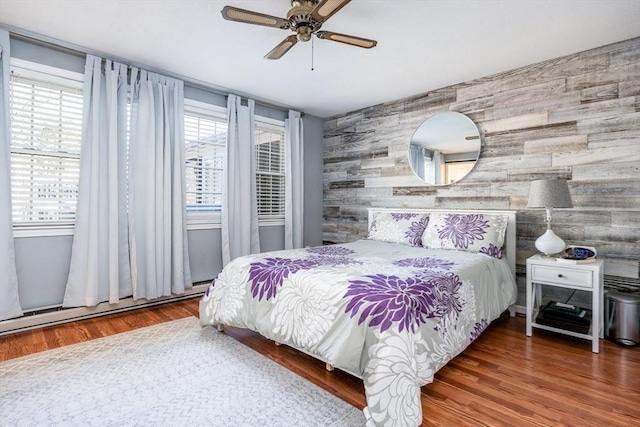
{"points": [[549, 243]]}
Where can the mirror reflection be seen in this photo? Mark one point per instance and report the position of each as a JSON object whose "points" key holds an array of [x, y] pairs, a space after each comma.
{"points": [[444, 148]]}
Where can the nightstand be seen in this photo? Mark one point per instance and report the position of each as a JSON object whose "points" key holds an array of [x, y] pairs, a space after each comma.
{"points": [[545, 271]]}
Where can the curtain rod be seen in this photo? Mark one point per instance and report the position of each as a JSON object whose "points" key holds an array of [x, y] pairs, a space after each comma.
{"points": [[77, 50]]}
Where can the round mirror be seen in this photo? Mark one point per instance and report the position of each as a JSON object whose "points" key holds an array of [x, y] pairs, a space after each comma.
{"points": [[444, 148]]}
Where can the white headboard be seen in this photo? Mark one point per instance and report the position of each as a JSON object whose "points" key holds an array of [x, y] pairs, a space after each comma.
{"points": [[509, 239]]}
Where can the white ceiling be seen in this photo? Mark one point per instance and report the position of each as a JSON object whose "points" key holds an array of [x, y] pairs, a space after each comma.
{"points": [[422, 44]]}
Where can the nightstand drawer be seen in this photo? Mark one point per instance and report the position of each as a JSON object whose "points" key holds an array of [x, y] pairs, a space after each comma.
{"points": [[562, 275]]}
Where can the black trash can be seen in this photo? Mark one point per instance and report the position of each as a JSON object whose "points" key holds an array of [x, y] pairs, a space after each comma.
{"points": [[622, 318]]}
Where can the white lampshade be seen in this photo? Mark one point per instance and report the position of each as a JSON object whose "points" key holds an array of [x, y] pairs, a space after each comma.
{"points": [[549, 194]]}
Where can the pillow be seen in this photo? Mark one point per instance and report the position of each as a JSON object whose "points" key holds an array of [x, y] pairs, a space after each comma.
{"points": [[402, 227], [466, 232]]}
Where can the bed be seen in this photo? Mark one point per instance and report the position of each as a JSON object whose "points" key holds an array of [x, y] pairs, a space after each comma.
{"points": [[391, 309]]}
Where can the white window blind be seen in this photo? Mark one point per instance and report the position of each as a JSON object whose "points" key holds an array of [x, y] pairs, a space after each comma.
{"points": [[205, 139], [270, 171], [46, 131]]}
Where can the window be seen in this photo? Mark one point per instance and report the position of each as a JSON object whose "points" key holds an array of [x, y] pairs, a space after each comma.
{"points": [[205, 138], [270, 170], [205, 129], [46, 132], [46, 129]]}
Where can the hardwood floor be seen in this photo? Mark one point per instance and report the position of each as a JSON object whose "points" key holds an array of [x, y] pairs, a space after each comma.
{"points": [[502, 379]]}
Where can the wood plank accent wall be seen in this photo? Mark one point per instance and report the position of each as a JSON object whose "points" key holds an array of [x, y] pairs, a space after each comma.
{"points": [[575, 117]]}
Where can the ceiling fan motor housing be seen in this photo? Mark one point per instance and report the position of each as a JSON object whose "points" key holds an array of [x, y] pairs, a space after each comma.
{"points": [[300, 18]]}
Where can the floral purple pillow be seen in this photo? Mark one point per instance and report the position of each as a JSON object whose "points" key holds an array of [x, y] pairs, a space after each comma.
{"points": [[401, 227], [467, 232]]}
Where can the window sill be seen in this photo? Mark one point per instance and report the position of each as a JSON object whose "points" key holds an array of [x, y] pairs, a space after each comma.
{"points": [[216, 224], [26, 231]]}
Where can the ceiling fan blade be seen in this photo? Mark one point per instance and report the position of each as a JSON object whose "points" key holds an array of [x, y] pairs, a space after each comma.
{"points": [[282, 48], [325, 9], [344, 38], [249, 17]]}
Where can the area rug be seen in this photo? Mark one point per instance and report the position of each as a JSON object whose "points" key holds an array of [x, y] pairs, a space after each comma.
{"points": [[171, 374]]}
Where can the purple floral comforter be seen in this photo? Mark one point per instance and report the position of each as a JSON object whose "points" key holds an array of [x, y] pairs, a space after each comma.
{"points": [[390, 314]]}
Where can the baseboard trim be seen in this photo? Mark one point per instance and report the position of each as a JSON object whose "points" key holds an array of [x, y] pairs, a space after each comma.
{"points": [[41, 320]]}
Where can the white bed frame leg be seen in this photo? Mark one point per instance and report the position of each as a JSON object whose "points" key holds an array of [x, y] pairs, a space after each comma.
{"points": [[329, 367]]}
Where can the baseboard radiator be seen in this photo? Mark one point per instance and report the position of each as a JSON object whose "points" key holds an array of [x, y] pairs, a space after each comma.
{"points": [[57, 315]]}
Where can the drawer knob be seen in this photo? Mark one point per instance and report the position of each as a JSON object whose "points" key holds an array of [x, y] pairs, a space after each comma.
{"points": [[560, 275]]}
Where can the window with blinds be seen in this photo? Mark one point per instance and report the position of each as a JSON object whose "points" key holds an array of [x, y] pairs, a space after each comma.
{"points": [[270, 171], [205, 139], [205, 148], [46, 131]]}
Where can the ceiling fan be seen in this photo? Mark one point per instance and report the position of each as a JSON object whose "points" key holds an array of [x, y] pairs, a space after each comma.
{"points": [[304, 18]]}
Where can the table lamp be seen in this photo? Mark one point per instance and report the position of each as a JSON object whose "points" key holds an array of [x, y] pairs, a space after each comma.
{"points": [[549, 194]]}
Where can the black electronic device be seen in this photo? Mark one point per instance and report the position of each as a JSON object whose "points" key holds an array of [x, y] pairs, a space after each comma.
{"points": [[565, 316]]}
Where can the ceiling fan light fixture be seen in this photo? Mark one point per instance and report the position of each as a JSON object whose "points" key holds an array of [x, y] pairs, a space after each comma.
{"points": [[305, 18], [303, 32]]}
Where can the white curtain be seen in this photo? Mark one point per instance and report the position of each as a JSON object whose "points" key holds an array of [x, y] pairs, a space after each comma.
{"points": [[239, 207], [438, 161], [99, 269], [417, 159], [157, 202], [294, 181], [9, 300]]}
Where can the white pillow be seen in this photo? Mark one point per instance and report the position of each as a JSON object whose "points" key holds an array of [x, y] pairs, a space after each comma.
{"points": [[401, 227], [467, 232]]}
